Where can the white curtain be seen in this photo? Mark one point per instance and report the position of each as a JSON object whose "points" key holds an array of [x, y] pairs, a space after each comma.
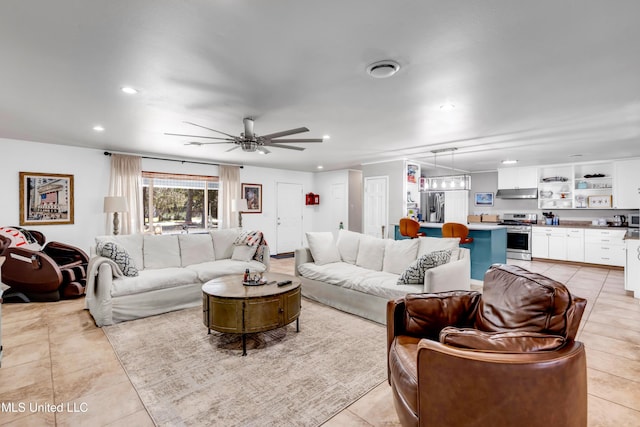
{"points": [[230, 186], [126, 181]]}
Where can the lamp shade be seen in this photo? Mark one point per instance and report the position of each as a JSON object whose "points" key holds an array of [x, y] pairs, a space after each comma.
{"points": [[115, 204], [239, 205]]}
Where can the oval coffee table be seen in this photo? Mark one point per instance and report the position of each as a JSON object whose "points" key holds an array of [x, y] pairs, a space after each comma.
{"points": [[230, 307]]}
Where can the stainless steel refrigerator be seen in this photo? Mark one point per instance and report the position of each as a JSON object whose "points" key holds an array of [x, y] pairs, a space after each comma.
{"points": [[432, 206]]}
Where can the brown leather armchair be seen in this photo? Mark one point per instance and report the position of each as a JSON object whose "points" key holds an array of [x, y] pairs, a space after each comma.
{"points": [[56, 271], [506, 357]]}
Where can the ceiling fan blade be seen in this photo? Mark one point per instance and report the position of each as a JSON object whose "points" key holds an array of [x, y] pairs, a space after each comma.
{"points": [[199, 136], [232, 148], [263, 150], [289, 147], [213, 130], [285, 133], [280, 141], [197, 144]]}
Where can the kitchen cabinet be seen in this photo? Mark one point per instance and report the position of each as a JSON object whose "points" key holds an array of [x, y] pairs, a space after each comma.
{"points": [[605, 246], [626, 184], [632, 268], [549, 242], [575, 244], [593, 184], [517, 177], [555, 189]]}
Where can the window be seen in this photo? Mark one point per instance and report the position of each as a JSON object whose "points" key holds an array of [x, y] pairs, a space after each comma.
{"points": [[175, 203]]}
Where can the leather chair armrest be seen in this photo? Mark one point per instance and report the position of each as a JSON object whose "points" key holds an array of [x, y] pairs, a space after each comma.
{"points": [[395, 314], [501, 389], [31, 269]]}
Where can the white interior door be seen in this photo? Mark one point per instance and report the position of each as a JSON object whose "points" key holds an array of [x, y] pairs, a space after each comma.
{"points": [[339, 212], [289, 217], [376, 211]]}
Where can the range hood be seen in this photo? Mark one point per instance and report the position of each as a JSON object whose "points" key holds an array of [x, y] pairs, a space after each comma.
{"points": [[518, 193]]}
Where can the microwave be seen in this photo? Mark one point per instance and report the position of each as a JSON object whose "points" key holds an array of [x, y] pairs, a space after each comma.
{"points": [[634, 220]]}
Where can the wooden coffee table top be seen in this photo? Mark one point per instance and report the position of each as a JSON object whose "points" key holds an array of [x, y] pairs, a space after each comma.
{"points": [[231, 286]]}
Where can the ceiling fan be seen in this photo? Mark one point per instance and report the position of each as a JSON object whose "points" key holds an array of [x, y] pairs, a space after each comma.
{"points": [[251, 142]]}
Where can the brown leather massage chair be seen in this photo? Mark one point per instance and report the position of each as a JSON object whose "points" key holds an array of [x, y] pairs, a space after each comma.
{"points": [[506, 357], [55, 271]]}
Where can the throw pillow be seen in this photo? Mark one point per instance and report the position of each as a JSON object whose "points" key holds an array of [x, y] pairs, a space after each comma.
{"points": [[243, 253], [118, 255], [323, 248], [414, 274], [371, 253]]}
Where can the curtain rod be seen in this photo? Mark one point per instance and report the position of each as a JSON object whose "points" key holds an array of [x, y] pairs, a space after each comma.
{"points": [[107, 153]]}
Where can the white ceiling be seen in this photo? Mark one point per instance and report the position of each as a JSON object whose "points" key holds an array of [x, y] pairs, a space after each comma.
{"points": [[537, 81]]}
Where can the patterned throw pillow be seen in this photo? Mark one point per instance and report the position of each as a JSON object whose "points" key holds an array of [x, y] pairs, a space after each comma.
{"points": [[118, 255], [414, 274]]}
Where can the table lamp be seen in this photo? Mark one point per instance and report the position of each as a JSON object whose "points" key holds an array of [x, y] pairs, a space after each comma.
{"points": [[239, 205], [115, 204]]}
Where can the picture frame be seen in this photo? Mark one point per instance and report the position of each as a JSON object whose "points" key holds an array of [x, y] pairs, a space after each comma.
{"points": [[46, 198], [253, 194], [599, 202], [483, 199]]}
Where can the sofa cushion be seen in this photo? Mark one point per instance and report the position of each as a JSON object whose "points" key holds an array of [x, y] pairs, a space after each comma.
{"points": [[398, 254], [370, 253], [516, 299], [132, 243], [502, 342], [322, 247], [195, 248], [431, 244], [348, 242], [414, 273], [120, 256], [213, 269], [161, 251], [153, 279], [223, 242]]}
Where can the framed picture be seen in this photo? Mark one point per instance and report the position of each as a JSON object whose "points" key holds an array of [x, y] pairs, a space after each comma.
{"points": [[484, 199], [253, 194], [599, 202], [46, 198]]}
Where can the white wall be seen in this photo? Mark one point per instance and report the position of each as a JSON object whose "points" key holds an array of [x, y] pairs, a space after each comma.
{"points": [[323, 186], [90, 170]]}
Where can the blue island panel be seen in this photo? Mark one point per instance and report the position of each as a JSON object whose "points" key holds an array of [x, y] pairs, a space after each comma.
{"points": [[488, 247]]}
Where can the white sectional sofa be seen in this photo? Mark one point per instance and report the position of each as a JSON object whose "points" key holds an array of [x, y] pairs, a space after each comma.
{"points": [[171, 272], [364, 274]]}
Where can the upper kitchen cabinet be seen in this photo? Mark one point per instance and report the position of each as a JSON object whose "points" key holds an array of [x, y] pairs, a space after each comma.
{"points": [[555, 189], [517, 177], [593, 185], [626, 184]]}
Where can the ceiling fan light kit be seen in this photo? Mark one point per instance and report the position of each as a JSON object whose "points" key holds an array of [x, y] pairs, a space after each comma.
{"points": [[249, 141]]}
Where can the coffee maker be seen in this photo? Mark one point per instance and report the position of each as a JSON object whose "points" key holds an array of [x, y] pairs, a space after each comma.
{"points": [[619, 221]]}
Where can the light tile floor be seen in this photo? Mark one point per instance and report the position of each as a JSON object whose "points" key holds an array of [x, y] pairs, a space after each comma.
{"points": [[54, 353]]}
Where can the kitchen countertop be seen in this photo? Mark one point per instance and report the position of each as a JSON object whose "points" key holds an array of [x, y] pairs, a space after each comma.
{"points": [[472, 226], [632, 234]]}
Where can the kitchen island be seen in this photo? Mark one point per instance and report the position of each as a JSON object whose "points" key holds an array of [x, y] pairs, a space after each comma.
{"points": [[489, 244]]}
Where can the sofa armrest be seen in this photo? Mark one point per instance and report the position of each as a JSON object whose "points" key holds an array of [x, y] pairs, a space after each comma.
{"points": [[302, 256], [452, 276]]}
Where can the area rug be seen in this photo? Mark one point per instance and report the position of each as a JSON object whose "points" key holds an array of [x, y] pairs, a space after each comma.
{"points": [[186, 377]]}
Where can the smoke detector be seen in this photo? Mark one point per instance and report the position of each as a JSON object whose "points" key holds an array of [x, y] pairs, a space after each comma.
{"points": [[383, 69]]}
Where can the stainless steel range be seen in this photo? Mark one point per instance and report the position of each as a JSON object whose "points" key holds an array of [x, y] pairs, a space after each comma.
{"points": [[519, 234]]}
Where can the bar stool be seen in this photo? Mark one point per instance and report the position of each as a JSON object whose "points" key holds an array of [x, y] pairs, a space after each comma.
{"points": [[410, 228], [454, 229]]}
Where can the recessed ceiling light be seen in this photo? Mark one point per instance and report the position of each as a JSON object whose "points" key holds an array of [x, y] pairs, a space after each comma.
{"points": [[383, 69], [98, 128], [129, 90], [509, 162], [320, 167], [447, 107], [326, 136]]}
